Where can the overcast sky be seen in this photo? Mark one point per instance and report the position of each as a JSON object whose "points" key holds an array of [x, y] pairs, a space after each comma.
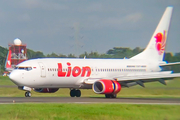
{"points": [[76, 26]]}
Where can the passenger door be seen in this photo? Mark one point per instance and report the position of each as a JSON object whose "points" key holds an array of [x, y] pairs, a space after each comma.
{"points": [[43, 69]]}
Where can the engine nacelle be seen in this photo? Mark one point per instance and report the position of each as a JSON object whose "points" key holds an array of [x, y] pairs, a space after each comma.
{"points": [[46, 90], [106, 86]]}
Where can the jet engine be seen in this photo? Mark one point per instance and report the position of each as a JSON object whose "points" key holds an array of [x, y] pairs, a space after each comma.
{"points": [[46, 90], [106, 86]]}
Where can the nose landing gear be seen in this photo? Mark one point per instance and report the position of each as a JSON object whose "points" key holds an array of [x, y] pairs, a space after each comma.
{"points": [[75, 92], [28, 94]]}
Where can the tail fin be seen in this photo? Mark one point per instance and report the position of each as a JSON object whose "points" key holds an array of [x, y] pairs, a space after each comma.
{"points": [[8, 61], [155, 48]]}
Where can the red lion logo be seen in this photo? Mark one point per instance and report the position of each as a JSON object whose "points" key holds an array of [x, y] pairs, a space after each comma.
{"points": [[160, 42]]}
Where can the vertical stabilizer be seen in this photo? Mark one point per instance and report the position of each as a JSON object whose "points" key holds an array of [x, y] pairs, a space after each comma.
{"points": [[156, 47], [8, 61]]}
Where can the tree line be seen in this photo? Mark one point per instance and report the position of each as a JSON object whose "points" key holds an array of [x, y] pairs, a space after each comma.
{"points": [[114, 53]]}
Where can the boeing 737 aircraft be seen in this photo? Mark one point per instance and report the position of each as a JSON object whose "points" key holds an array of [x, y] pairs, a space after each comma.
{"points": [[103, 76]]}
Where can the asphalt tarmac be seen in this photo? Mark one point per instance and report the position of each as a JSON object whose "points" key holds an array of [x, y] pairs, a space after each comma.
{"points": [[7, 100]]}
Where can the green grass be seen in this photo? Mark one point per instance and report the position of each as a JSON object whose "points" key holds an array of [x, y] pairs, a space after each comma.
{"points": [[152, 90], [4, 80], [47, 111], [88, 112]]}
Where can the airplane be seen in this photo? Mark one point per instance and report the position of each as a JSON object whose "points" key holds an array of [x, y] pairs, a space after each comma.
{"points": [[103, 76]]}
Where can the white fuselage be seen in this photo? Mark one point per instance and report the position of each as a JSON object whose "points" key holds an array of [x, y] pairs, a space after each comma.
{"points": [[70, 73]]}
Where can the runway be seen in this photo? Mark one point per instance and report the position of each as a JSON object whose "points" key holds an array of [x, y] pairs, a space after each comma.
{"points": [[7, 100]]}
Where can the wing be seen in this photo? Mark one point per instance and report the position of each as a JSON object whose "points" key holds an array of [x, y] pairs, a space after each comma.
{"points": [[132, 79]]}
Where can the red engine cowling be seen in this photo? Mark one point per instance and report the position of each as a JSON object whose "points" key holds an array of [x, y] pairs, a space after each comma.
{"points": [[46, 90], [106, 86]]}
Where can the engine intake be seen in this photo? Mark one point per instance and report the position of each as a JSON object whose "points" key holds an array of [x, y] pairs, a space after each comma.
{"points": [[106, 86], [46, 90]]}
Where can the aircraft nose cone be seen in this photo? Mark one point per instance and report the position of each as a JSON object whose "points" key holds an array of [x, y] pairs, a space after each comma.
{"points": [[14, 77]]}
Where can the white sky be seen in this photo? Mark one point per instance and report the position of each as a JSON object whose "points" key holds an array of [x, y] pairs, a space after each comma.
{"points": [[76, 26]]}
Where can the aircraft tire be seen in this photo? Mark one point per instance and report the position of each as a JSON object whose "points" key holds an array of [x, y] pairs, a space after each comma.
{"points": [[107, 95], [73, 93], [113, 95], [78, 93], [28, 94], [110, 95]]}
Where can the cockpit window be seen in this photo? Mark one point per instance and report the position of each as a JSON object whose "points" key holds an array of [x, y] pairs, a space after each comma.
{"points": [[28, 68], [24, 68], [16, 68]]}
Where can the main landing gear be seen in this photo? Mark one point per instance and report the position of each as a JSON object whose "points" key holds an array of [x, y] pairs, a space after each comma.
{"points": [[110, 95], [28, 94], [75, 92]]}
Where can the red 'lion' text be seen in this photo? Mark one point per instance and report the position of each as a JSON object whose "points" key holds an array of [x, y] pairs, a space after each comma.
{"points": [[75, 71]]}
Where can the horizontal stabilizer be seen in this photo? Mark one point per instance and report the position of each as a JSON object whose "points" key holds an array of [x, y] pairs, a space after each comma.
{"points": [[165, 64]]}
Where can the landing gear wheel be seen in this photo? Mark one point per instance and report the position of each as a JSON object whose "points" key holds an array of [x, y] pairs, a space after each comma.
{"points": [[113, 95], [110, 95], [74, 93], [78, 93], [107, 96], [28, 94]]}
